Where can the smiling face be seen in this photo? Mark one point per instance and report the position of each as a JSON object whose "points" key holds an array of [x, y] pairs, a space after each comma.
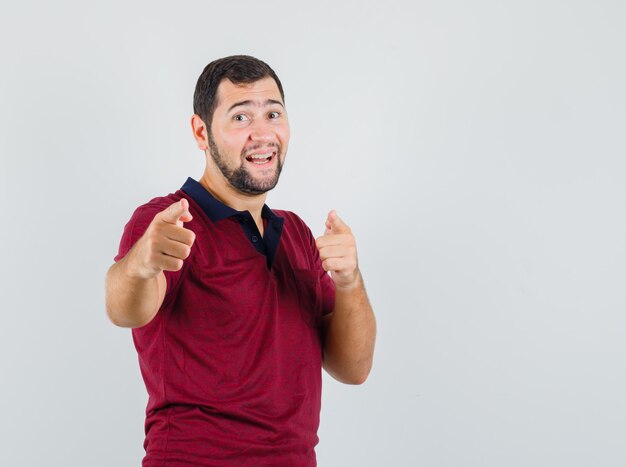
{"points": [[249, 135]]}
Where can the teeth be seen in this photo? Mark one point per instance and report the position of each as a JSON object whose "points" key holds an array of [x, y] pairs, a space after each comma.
{"points": [[260, 156]]}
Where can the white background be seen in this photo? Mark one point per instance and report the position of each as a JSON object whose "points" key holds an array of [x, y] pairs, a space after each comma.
{"points": [[477, 149]]}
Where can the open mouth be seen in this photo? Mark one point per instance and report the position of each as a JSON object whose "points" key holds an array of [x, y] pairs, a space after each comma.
{"points": [[261, 159]]}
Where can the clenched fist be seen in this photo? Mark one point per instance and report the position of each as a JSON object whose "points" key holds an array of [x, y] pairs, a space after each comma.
{"points": [[337, 249], [165, 244]]}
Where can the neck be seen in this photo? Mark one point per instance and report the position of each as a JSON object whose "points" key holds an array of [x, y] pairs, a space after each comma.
{"points": [[216, 184]]}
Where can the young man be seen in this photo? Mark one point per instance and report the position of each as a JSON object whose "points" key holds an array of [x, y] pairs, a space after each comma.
{"points": [[231, 304]]}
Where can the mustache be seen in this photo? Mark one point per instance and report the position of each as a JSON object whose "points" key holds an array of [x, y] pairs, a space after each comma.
{"points": [[254, 147]]}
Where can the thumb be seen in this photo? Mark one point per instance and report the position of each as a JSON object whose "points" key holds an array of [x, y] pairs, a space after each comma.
{"points": [[177, 213], [335, 225]]}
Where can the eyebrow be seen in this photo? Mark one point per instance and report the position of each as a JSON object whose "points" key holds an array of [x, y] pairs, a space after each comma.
{"points": [[251, 102]]}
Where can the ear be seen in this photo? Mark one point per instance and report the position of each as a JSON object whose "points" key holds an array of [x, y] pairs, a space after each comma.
{"points": [[200, 132]]}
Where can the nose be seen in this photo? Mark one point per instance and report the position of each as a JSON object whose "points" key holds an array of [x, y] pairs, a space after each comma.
{"points": [[261, 132]]}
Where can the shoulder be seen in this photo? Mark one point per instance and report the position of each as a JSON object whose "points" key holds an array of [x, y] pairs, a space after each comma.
{"points": [[291, 220], [295, 231]]}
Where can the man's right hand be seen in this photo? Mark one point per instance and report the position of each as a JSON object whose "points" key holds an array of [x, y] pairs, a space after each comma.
{"points": [[165, 244]]}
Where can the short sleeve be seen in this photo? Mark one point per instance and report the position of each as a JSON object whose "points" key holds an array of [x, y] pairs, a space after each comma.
{"points": [[134, 230]]}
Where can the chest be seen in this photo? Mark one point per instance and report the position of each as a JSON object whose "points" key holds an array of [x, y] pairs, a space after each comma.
{"points": [[228, 289]]}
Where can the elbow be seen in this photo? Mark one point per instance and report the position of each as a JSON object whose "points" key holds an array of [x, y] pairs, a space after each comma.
{"points": [[108, 301], [125, 320], [112, 306], [352, 380], [352, 376], [358, 378], [115, 318]]}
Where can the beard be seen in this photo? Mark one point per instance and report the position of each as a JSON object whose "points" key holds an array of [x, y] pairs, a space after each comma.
{"points": [[239, 177]]}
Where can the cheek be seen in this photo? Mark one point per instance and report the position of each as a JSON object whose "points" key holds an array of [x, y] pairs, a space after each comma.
{"points": [[232, 141], [284, 134]]}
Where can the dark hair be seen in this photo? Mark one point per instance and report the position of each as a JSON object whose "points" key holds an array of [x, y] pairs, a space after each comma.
{"points": [[239, 69]]}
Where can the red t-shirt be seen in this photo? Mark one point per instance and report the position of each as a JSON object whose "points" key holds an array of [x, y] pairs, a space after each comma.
{"points": [[232, 360]]}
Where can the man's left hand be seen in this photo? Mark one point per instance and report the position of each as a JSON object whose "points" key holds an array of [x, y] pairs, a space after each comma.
{"points": [[337, 248]]}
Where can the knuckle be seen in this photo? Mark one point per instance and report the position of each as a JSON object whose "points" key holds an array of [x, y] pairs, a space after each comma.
{"points": [[155, 239], [147, 250], [154, 232], [177, 265], [154, 258], [186, 252]]}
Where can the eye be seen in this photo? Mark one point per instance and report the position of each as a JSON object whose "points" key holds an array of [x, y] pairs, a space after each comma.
{"points": [[240, 118], [274, 114]]}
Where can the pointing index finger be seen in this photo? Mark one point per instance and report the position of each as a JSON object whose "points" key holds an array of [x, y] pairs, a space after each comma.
{"points": [[177, 213], [335, 224]]}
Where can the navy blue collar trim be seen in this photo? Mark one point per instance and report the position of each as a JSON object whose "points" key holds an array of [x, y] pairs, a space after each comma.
{"points": [[215, 209]]}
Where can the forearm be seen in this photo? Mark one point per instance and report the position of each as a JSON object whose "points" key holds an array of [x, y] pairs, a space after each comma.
{"points": [[130, 301], [350, 336]]}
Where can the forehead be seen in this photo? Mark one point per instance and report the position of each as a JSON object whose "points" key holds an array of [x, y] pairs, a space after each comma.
{"points": [[259, 91]]}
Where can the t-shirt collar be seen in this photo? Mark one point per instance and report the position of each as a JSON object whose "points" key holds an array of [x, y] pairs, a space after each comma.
{"points": [[213, 208]]}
